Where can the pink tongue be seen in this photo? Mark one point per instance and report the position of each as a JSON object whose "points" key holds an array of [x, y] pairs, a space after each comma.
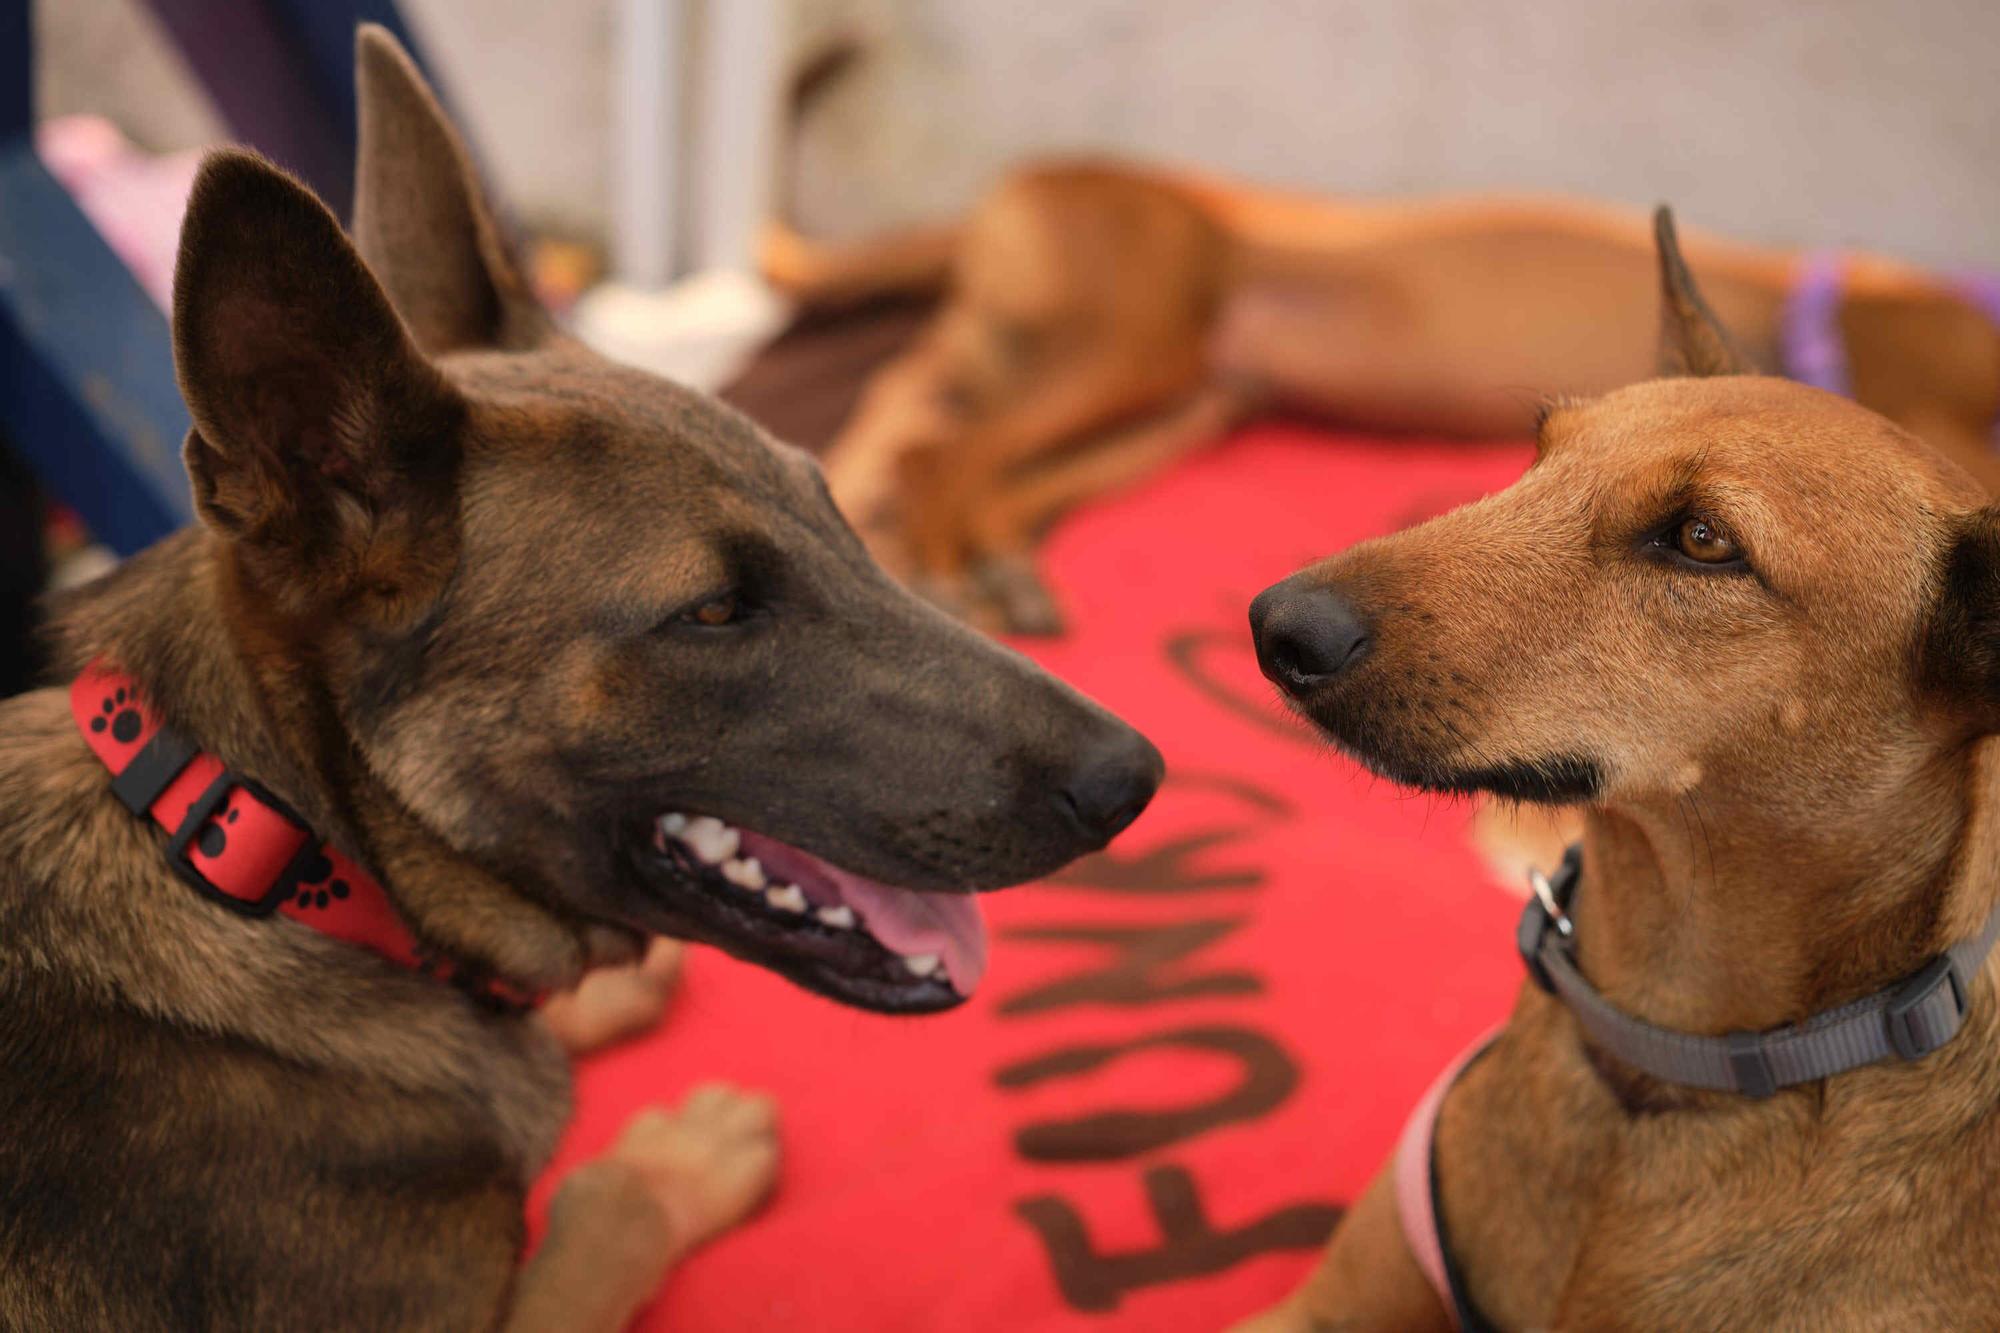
{"points": [[946, 924]]}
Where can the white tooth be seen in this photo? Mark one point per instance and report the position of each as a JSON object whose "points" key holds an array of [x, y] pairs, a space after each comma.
{"points": [[840, 918], [673, 825], [747, 873], [923, 964], [789, 898], [713, 841]]}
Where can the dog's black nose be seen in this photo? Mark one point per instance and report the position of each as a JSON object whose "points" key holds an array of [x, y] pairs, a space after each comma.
{"points": [[1112, 784], [1306, 635]]}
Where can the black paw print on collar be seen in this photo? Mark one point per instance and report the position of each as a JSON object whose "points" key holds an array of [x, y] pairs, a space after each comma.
{"points": [[214, 837], [121, 714], [314, 890]]}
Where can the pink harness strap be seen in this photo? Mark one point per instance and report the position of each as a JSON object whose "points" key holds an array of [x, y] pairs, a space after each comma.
{"points": [[1416, 1196]]}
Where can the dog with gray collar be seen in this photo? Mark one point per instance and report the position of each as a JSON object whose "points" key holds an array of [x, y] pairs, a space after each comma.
{"points": [[1751, 1080]]}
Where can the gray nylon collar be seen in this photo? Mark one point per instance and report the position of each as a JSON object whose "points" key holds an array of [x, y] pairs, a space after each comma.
{"points": [[1906, 1021]]}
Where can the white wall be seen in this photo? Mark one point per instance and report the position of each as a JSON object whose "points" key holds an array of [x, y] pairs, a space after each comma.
{"points": [[107, 57], [1846, 121]]}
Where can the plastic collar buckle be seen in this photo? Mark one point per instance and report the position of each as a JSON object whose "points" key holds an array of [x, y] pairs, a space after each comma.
{"points": [[199, 813], [1750, 1065], [1912, 1034]]}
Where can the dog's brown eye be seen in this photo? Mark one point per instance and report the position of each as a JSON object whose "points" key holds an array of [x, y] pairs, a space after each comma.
{"points": [[1701, 540], [716, 611]]}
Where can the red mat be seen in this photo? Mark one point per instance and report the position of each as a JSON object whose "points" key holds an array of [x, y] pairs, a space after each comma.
{"points": [[1191, 1051]]}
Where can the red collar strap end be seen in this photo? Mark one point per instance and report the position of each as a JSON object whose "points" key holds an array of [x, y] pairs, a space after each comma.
{"points": [[235, 843]]}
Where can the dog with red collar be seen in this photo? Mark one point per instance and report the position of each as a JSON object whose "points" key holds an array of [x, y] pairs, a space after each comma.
{"points": [[489, 661]]}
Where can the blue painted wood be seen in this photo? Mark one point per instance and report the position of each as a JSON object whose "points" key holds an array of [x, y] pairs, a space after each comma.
{"points": [[281, 72], [323, 33], [17, 70], [87, 392], [256, 78]]}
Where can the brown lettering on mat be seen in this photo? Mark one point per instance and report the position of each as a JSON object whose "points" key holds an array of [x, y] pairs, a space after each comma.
{"points": [[1091, 1279], [1166, 868], [1268, 1077], [1131, 978], [1149, 965], [1169, 866], [1188, 653]]}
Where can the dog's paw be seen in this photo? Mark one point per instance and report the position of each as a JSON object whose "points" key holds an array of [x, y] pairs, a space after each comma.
{"points": [[615, 1004], [709, 1163], [882, 536], [1021, 602], [951, 595]]}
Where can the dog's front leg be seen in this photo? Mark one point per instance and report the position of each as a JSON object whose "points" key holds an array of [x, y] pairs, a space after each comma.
{"points": [[673, 1180], [1013, 519], [1366, 1281], [942, 491], [618, 1002]]}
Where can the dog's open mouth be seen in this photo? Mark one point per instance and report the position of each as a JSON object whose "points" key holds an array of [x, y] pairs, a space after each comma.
{"points": [[839, 933]]}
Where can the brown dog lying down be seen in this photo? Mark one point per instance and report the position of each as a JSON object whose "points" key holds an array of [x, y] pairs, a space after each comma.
{"points": [[516, 630], [1756, 627], [1101, 320]]}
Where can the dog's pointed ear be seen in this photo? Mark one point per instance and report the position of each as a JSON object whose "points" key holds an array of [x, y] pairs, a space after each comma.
{"points": [[1692, 340], [1960, 653], [421, 219], [317, 425]]}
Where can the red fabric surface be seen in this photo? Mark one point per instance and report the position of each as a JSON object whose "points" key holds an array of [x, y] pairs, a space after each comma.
{"points": [[1354, 944]]}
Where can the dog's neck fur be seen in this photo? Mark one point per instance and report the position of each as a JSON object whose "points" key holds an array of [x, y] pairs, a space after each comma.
{"points": [[178, 618], [94, 917], [1717, 915], [163, 619]]}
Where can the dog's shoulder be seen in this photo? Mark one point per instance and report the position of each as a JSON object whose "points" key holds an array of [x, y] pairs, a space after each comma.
{"points": [[1864, 1201], [183, 1179], [170, 1054]]}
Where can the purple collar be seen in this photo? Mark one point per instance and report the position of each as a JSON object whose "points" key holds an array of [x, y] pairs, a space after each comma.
{"points": [[1981, 290], [1809, 327]]}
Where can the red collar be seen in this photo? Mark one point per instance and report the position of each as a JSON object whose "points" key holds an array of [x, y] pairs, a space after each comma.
{"points": [[237, 844]]}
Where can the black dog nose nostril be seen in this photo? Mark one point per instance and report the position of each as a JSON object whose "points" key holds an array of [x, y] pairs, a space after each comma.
{"points": [[1306, 636], [1113, 783]]}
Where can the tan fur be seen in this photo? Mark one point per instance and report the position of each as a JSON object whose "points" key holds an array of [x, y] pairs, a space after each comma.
{"points": [[1086, 297], [1795, 802]]}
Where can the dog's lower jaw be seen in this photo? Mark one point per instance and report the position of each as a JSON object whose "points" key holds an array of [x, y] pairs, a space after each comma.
{"points": [[1557, 778], [480, 916]]}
